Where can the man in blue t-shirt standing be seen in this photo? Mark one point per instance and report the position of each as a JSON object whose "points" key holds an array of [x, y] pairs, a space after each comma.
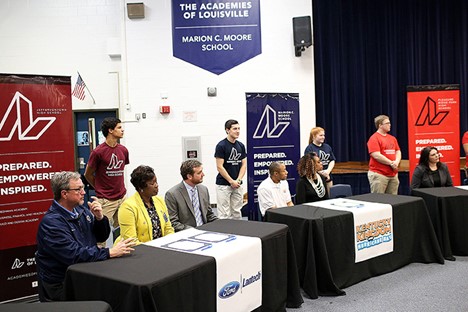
{"points": [[231, 163]]}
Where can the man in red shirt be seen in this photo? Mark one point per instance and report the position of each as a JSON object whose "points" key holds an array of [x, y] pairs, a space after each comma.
{"points": [[465, 148], [385, 156], [105, 169], [465, 143]]}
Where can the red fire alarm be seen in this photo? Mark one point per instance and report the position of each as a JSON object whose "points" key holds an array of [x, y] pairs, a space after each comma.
{"points": [[164, 109]]}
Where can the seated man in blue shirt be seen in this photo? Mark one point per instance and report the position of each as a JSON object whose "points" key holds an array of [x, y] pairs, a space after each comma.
{"points": [[68, 234]]}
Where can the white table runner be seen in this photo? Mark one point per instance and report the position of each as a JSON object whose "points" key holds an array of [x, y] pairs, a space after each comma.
{"points": [[238, 264], [373, 225]]}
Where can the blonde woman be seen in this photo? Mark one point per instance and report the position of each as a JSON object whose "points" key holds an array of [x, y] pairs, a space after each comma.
{"points": [[324, 151]]}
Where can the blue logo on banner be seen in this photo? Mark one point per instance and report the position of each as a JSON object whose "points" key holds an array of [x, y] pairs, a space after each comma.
{"points": [[216, 35], [229, 290]]}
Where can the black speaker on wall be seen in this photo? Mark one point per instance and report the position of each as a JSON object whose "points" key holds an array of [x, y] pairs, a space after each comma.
{"points": [[302, 33]]}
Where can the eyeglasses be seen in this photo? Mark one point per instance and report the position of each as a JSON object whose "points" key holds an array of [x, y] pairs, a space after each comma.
{"points": [[387, 123], [78, 189]]}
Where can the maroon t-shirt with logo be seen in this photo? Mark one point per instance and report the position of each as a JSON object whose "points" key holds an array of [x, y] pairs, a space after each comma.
{"points": [[108, 163]]}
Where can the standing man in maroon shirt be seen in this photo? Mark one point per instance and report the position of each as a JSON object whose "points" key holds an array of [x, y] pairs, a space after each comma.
{"points": [[105, 169]]}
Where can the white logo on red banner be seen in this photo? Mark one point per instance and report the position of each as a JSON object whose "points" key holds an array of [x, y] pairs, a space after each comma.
{"points": [[24, 124]]}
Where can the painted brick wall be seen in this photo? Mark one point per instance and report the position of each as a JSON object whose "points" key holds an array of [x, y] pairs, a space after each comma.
{"points": [[62, 36]]}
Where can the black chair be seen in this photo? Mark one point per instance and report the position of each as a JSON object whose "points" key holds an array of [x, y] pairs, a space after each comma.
{"points": [[340, 190], [293, 199], [116, 233]]}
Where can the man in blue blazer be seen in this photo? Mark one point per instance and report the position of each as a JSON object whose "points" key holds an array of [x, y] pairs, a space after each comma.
{"points": [[189, 202]]}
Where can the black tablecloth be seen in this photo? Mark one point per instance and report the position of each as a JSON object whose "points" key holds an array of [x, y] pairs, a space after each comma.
{"points": [[81, 306], [448, 208], [324, 243], [154, 279], [151, 279]]}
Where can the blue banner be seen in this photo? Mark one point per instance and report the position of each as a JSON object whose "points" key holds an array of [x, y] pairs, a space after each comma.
{"points": [[216, 35], [273, 134]]}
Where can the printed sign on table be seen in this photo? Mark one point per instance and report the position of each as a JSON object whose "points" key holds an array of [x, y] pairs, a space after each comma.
{"points": [[373, 225], [238, 264]]}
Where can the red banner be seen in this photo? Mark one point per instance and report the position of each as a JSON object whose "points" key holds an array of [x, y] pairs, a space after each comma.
{"points": [[434, 120], [36, 140]]}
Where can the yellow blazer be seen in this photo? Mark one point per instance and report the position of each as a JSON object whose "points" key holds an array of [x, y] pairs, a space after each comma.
{"points": [[135, 222]]}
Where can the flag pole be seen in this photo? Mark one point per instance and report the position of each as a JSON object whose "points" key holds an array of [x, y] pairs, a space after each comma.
{"points": [[86, 86]]}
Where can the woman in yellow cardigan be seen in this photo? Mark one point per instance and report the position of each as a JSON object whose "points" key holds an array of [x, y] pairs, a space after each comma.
{"points": [[144, 215]]}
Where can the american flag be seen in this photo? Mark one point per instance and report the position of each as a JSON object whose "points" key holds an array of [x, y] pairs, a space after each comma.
{"points": [[79, 91]]}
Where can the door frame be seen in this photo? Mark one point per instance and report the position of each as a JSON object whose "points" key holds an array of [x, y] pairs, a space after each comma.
{"points": [[75, 111]]}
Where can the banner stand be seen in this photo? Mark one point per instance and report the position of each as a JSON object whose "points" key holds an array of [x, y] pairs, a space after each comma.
{"points": [[434, 120], [36, 141], [273, 134]]}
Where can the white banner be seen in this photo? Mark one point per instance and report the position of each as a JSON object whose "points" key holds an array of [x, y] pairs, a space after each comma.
{"points": [[373, 225], [238, 264]]}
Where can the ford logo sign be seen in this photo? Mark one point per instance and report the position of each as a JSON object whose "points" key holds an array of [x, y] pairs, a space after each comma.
{"points": [[229, 290]]}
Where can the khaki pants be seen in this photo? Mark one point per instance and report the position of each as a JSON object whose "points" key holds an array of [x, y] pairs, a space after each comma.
{"points": [[110, 208], [383, 184], [229, 201]]}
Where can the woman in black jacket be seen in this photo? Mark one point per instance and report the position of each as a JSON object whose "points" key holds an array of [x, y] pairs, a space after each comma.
{"points": [[430, 172], [311, 186]]}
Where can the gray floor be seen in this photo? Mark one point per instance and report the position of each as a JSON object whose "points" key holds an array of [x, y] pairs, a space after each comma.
{"points": [[416, 287]]}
